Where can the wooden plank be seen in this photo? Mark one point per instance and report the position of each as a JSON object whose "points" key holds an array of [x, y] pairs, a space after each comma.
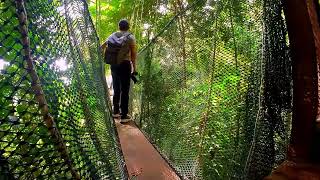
{"points": [[142, 159]]}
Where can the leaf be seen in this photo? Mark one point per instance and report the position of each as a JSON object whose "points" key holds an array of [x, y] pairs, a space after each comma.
{"points": [[21, 107], [6, 91]]}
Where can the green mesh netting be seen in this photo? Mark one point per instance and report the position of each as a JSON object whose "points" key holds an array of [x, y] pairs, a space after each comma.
{"points": [[216, 85], [64, 51]]}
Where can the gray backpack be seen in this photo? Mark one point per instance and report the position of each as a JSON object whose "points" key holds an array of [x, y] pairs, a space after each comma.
{"points": [[117, 51]]}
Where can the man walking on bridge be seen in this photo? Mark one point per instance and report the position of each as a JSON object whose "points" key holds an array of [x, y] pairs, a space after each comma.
{"points": [[121, 55]]}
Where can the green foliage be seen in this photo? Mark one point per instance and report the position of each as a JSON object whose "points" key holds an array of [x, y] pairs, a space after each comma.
{"points": [[106, 15]]}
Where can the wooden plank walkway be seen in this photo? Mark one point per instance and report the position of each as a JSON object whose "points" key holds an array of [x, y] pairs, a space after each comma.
{"points": [[142, 159]]}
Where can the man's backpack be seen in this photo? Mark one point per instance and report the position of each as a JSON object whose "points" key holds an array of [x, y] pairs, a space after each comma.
{"points": [[114, 52]]}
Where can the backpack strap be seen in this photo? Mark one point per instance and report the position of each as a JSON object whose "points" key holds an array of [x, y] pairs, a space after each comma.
{"points": [[125, 40]]}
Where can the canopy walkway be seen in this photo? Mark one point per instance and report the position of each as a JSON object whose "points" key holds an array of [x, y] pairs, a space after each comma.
{"points": [[235, 96]]}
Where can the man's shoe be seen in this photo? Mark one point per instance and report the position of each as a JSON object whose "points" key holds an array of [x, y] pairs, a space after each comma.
{"points": [[117, 115], [125, 119]]}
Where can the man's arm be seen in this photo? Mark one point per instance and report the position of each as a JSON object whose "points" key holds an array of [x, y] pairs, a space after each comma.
{"points": [[133, 50]]}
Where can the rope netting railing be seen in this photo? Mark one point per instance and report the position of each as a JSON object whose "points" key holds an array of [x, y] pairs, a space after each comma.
{"points": [[215, 90], [55, 118]]}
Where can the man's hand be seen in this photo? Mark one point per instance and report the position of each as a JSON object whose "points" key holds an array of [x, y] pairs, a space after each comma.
{"points": [[133, 76]]}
